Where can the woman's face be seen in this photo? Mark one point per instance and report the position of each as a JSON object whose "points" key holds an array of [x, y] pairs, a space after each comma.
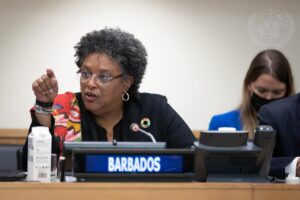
{"points": [[268, 87], [102, 97]]}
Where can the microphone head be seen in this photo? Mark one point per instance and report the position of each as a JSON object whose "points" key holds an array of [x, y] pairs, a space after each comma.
{"points": [[134, 127]]}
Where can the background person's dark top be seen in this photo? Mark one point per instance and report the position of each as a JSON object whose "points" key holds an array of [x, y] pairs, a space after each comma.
{"points": [[284, 116], [166, 124]]}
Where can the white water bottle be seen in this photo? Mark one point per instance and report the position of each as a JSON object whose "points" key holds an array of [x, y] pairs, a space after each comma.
{"points": [[39, 154]]}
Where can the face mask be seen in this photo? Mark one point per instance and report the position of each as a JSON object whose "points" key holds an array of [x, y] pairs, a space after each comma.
{"points": [[258, 102]]}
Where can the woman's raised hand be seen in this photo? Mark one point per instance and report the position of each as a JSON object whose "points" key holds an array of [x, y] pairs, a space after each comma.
{"points": [[45, 88]]}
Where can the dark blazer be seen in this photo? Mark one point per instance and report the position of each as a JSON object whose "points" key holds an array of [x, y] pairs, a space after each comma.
{"points": [[284, 116], [164, 123]]}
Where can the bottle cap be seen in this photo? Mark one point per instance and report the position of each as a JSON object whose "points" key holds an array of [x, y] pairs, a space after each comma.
{"points": [[40, 129]]}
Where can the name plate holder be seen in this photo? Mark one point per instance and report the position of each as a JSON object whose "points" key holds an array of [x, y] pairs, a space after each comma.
{"points": [[136, 164]]}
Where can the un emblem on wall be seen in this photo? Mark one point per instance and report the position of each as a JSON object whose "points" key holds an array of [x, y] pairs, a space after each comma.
{"points": [[271, 28]]}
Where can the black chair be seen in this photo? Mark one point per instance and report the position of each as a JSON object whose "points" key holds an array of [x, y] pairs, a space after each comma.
{"points": [[10, 157]]}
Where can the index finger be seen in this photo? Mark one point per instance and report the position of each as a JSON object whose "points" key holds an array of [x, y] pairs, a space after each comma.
{"points": [[50, 73]]}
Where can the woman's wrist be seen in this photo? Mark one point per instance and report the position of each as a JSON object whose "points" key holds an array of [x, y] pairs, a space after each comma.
{"points": [[43, 108]]}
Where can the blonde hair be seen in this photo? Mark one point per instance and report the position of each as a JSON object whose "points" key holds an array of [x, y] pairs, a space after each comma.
{"points": [[271, 62]]}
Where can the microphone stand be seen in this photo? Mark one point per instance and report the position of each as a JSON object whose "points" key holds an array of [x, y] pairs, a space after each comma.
{"points": [[148, 134]]}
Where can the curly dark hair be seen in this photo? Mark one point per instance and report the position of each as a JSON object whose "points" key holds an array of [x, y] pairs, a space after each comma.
{"points": [[122, 46]]}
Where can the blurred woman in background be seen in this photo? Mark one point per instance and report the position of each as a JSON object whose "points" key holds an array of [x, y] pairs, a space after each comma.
{"points": [[268, 78]]}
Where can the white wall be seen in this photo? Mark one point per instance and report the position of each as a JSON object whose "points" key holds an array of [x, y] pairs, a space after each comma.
{"points": [[199, 51]]}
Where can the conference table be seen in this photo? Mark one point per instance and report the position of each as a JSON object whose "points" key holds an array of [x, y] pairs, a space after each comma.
{"points": [[138, 190], [148, 191]]}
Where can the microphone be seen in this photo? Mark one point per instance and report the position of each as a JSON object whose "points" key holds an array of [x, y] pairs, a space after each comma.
{"points": [[135, 128]]}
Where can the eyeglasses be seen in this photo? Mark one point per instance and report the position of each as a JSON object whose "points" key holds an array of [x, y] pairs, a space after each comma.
{"points": [[101, 79]]}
